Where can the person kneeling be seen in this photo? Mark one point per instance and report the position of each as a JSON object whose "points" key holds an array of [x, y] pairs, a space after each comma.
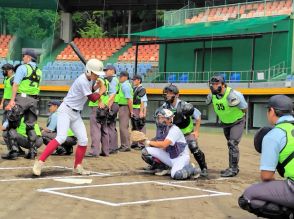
{"points": [[17, 138], [274, 198], [169, 147]]}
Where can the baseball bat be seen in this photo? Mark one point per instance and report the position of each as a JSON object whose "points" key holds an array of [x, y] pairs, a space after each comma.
{"points": [[77, 52]]}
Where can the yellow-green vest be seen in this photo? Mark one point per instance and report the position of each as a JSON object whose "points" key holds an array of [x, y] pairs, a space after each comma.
{"points": [[104, 97], [288, 149], [122, 100], [21, 129], [226, 113], [7, 88], [28, 86]]}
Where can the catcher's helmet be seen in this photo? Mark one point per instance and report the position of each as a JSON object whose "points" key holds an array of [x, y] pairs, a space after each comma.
{"points": [[172, 88]]}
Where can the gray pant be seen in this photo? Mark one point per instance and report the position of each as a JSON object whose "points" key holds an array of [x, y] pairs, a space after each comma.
{"points": [[233, 135], [30, 110], [113, 139], [69, 142], [280, 192], [99, 135], [5, 103], [124, 118]]}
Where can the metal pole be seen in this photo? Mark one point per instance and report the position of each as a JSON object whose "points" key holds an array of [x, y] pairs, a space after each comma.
{"points": [[165, 61], [136, 59], [252, 61], [129, 23], [247, 116]]}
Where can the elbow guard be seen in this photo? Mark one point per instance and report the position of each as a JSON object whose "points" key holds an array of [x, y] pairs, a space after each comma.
{"points": [[93, 97]]}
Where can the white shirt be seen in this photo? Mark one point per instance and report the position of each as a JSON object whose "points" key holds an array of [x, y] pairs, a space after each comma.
{"points": [[78, 92], [175, 135]]}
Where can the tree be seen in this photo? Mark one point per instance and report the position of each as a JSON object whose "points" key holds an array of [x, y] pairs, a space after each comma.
{"points": [[91, 30]]}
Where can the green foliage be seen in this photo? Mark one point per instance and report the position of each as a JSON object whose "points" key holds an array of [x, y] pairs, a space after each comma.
{"points": [[91, 30], [30, 23]]}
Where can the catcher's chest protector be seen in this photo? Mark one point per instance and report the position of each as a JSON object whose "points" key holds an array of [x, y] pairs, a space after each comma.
{"points": [[162, 132]]}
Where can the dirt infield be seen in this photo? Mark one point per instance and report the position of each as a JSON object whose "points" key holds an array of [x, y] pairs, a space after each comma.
{"points": [[120, 189]]}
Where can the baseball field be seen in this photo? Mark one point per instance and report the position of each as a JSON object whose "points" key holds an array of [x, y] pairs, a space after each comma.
{"points": [[119, 188]]}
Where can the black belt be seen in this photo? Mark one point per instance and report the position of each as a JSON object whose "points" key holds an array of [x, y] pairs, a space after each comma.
{"points": [[77, 111], [31, 96]]}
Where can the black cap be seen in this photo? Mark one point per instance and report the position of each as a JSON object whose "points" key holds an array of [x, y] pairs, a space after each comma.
{"points": [[31, 53], [137, 77], [217, 78], [124, 73], [7, 67], [171, 88], [281, 102], [109, 67], [54, 102]]}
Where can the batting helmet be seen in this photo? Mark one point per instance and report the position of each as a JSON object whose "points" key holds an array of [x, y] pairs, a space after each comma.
{"points": [[95, 66]]}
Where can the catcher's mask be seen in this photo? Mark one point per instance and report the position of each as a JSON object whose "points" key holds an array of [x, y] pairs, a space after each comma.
{"points": [[172, 89], [215, 80], [164, 117]]}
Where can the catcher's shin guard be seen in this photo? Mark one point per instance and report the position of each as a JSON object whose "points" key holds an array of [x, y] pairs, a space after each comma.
{"points": [[197, 153], [233, 154], [185, 173]]}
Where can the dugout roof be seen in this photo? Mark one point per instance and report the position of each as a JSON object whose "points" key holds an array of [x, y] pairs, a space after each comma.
{"points": [[211, 29], [82, 5]]}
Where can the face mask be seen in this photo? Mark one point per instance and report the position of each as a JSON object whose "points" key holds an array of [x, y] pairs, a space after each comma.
{"points": [[217, 91], [170, 99]]}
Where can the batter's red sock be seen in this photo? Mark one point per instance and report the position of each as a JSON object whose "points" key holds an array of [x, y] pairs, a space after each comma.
{"points": [[80, 153], [51, 146]]}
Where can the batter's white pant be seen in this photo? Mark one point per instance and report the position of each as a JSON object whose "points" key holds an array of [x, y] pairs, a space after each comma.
{"points": [[66, 119], [176, 164]]}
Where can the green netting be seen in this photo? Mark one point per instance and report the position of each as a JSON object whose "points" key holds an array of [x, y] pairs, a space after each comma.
{"points": [[240, 26]]}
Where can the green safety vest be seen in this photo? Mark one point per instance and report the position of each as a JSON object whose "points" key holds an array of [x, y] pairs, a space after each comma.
{"points": [[226, 113], [287, 168], [189, 128], [116, 88], [28, 85], [104, 97], [122, 100], [70, 133], [21, 129], [7, 88]]}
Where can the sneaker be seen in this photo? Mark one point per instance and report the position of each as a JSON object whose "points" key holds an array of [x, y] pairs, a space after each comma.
{"points": [[223, 171], [124, 149], [113, 151], [80, 170], [230, 172], [11, 155], [91, 155], [163, 172], [204, 172], [134, 145], [37, 169]]}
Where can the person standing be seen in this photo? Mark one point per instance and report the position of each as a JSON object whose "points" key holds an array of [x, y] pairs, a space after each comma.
{"points": [[25, 95], [69, 115], [230, 107], [274, 198], [8, 74], [125, 102], [139, 108], [113, 107]]}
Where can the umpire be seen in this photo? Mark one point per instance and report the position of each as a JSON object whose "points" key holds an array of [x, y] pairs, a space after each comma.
{"points": [[125, 102], [25, 95], [230, 106], [274, 198]]}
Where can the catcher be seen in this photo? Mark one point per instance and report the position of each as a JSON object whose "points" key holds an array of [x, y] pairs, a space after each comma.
{"points": [[169, 147]]}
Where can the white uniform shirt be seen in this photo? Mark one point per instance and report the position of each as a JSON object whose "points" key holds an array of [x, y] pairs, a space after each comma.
{"points": [[78, 92], [175, 135]]}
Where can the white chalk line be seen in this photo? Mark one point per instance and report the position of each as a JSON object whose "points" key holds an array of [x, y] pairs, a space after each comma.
{"points": [[54, 191]]}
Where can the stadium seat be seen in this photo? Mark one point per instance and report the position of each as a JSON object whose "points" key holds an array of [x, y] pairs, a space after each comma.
{"points": [[235, 77], [172, 78], [184, 78]]}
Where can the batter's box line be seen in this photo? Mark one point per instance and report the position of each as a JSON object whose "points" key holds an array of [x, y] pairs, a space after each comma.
{"points": [[94, 174], [56, 191]]}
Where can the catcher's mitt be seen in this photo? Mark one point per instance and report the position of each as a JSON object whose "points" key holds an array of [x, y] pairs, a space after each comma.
{"points": [[137, 136]]}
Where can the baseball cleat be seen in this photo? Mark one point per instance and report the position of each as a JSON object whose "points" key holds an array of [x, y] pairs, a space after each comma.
{"points": [[37, 169], [80, 170]]}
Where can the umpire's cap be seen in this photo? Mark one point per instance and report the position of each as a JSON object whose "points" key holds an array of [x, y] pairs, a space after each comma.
{"points": [[281, 102], [216, 79], [54, 102], [124, 73], [110, 67], [172, 88], [7, 67], [31, 53]]}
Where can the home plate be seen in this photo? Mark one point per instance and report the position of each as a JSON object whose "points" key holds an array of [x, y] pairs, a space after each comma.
{"points": [[75, 181]]}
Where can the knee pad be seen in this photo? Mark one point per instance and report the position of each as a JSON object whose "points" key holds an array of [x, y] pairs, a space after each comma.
{"points": [[147, 157], [12, 134], [32, 135], [193, 146], [39, 142], [232, 144]]}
